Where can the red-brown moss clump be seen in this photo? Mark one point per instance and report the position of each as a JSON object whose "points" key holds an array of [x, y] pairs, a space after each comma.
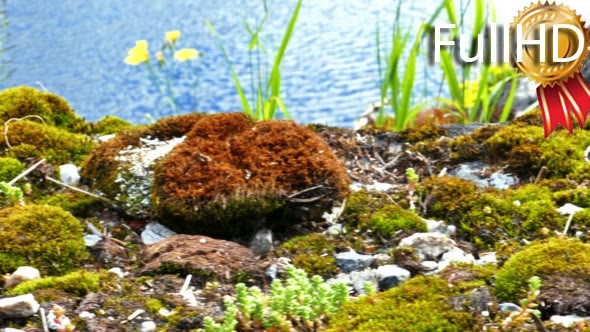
{"points": [[230, 174]]}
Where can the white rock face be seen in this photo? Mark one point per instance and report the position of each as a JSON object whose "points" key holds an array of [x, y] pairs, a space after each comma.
{"points": [[455, 255], [69, 174], [429, 246], [19, 306], [155, 232], [135, 176], [22, 274], [147, 326]]}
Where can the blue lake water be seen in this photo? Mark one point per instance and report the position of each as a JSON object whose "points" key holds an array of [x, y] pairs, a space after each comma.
{"points": [[76, 49]]}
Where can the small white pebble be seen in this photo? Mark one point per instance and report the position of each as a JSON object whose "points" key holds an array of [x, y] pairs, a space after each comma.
{"points": [[147, 326], [118, 271], [86, 315]]}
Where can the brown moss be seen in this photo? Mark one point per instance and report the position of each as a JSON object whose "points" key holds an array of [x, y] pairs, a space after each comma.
{"points": [[224, 177], [448, 197]]}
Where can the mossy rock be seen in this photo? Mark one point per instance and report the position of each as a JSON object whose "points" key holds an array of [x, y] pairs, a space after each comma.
{"points": [[101, 168], [30, 139], [313, 253], [79, 205], [484, 216], [42, 236], [422, 133], [420, 304], [551, 258], [25, 101], [392, 218], [110, 124], [10, 168], [231, 172], [77, 283]]}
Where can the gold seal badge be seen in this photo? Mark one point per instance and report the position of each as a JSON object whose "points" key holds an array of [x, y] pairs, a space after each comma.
{"points": [[549, 73]]}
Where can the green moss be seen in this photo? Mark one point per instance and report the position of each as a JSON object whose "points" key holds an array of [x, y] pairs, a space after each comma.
{"points": [[544, 259], [578, 196], [392, 218], [42, 236], [422, 133], [563, 153], [110, 124], [78, 283], [313, 253], [153, 306], [22, 101], [10, 168], [420, 304], [31, 139], [358, 208], [77, 204], [511, 136], [449, 197]]}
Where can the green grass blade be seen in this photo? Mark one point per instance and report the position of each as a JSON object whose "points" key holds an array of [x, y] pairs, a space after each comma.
{"points": [[274, 81], [448, 68], [401, 114], [479, 19], [510, 100], [241, 93], [483, 88]]}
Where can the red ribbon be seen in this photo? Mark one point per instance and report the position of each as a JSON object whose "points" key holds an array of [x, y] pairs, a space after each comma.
{"points": [[559, 100]]}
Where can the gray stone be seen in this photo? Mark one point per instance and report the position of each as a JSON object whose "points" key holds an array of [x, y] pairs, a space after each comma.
{"points": [[439, 226], [352, 261], [356, 280], [486, 258], [155, 232], [19, 306], [272, 271], [22, 274], [508, 307], [429, 246], [471, 171], [91, 239], [69, 174], [455, 130], [502, 181], [261, 244], [391, 275], [455, 255]]}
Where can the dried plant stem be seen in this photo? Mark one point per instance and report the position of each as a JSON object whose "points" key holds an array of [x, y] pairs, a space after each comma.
{"points": [[26, 172], [79, 190], [17, 119]]}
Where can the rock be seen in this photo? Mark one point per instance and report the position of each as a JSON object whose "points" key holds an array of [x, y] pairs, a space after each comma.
{"points": [[22, 274], [335, 230], [155, 232], [105, 138], [508, 307], [261, 244], [454, 130], [91, 239], [357, 280], [502, 181], [109, 253], [352, 261], [569, 320], [147, 326], [455, 255], [568, 209], [479, 300], [471, 171], [10, 329], [487, 258], [431, 265], [118, 271], [69, 174], [391, 275], [429, 246], [272, 271], [19, 306], [436, 226], [203, 256], [381, 259]]}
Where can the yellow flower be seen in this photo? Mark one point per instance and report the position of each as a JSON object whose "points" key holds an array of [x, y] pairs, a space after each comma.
{"points": [[138, 54], [186, 54], [160, 58], [172, 36]]}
